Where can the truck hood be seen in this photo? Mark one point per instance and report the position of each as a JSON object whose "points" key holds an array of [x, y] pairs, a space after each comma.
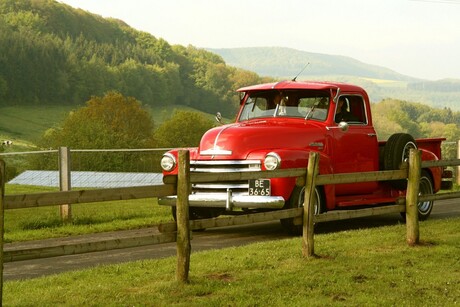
{"points": [[236, 141]]}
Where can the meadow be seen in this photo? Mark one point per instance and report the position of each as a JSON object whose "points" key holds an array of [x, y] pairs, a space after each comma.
{"points": [[45, 222], [364, 267]]}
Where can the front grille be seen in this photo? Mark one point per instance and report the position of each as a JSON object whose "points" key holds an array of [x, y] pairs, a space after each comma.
{"points": [[229, 166]]}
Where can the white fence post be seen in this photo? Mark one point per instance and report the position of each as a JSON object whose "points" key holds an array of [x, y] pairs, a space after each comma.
{"points": [[64, 181]]}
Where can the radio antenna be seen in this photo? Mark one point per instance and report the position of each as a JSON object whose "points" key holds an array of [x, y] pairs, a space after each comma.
{"points": [[300, 71]]}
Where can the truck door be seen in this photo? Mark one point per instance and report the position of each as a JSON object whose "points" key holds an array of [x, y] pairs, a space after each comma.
{"points": [[355, 150]]}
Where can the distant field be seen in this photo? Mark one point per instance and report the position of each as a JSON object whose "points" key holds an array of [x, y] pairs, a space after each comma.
{"points": [[25, 124], [388, 83], [28, 123]]}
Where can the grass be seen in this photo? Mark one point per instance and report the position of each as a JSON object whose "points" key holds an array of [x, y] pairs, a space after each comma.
{"points": [[44, 222], [26, 124], [366, 267], [30, 122]]}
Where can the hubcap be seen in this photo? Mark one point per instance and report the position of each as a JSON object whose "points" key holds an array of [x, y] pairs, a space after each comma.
{"points": [[425, 188]]}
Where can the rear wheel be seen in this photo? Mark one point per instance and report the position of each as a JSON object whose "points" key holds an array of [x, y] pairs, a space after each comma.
{"points": [[425, 188], [296, 201], [396, 152]]}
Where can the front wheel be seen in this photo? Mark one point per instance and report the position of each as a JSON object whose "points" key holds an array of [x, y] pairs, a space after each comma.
{"points": [[296, 201], [197, 213]]}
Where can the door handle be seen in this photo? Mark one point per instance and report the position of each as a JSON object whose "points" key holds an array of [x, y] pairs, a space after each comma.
{"points": [[372, 134]]}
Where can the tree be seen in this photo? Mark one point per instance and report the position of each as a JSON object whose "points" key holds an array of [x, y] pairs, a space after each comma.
{"points": [[112, 121], [183, 129]]}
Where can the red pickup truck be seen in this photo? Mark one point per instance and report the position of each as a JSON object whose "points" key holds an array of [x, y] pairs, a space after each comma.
{"points": [[277, 126]]}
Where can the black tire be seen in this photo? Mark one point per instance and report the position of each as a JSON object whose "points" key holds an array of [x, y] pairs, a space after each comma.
{"points": [[425, 188], [296, 201], [396, 152]]}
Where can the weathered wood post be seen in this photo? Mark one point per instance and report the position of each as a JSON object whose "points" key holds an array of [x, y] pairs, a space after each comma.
{"points": [[458, 167], [2, 224], [412, 225], [182, 217], [308, 248], [64, 181]]}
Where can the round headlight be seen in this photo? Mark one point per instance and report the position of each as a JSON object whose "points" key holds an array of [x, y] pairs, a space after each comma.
{"points": [[272, 161], [168, 162]]}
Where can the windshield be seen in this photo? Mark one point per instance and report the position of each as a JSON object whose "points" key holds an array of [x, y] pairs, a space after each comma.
{"points": [[305, 104]]}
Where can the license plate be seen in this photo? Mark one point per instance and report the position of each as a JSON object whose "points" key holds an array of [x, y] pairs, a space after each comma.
{"points": [[259, 187]]}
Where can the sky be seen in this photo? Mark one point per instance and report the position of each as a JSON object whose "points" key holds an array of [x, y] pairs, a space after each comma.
{"points": [[418, 38]]}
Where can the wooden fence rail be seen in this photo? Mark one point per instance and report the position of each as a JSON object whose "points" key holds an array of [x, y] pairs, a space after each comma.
{"points": [[109, 194], [86, 196], [171, 188]]}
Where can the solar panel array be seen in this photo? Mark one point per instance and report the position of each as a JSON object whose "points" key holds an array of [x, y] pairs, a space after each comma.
{"points": [[82, 179]]}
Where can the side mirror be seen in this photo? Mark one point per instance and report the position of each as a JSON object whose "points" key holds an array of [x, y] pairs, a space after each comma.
{"points": [[343, 126], [218, 117]]}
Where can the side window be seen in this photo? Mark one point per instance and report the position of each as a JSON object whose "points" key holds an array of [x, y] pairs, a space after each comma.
{"points": [[351, 109], [357, 109]]}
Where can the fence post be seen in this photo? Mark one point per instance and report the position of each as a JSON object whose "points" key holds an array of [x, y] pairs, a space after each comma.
{"points": [[308, 247], [2, 224], [182, 217], [64, 181], [413, 183]]}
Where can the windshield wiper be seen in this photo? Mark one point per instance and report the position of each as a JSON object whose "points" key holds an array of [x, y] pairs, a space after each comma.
{"points": [[310, 112]]}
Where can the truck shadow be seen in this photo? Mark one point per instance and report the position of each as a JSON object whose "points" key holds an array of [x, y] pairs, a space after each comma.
{"points": [[359, 223]]}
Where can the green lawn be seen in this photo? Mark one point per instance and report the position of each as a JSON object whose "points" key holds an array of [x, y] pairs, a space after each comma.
{"points": [[44, 222], [366, 267]]}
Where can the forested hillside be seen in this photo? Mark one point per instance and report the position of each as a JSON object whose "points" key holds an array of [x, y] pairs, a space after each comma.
{"points": [[392, 116], [51, 53]]}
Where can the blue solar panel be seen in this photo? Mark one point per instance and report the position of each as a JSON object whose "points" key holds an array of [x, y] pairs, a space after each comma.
{"points": [[89, 179]]}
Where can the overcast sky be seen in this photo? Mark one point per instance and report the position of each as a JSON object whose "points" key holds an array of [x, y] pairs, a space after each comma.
{"points": [[419, 38]]}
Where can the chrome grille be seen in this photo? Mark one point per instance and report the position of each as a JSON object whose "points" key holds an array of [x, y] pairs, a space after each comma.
{"points": [[228, 166]]}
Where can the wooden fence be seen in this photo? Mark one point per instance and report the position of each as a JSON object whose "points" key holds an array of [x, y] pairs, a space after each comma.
{"points": [[180, 185]]}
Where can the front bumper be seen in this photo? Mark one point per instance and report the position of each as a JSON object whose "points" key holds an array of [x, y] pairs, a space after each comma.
{"points": [[227, 200]]}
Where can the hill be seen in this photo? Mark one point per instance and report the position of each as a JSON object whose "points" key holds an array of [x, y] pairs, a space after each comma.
{"points": [[380, 82], [287, 63]]}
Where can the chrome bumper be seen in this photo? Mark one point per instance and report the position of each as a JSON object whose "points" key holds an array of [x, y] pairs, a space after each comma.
{"points": [[228, 201]]}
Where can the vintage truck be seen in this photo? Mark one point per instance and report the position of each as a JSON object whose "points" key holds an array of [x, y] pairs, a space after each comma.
{"points": [[277, 126]]}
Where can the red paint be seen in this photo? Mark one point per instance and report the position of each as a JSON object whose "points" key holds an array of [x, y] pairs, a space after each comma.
{"points": [[354, 150]]}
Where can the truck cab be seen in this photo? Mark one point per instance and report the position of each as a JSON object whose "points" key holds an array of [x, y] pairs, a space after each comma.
{"points": [[277, 126]]}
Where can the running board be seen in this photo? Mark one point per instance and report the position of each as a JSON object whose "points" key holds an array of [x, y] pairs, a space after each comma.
{"points": [[366, 201]]}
